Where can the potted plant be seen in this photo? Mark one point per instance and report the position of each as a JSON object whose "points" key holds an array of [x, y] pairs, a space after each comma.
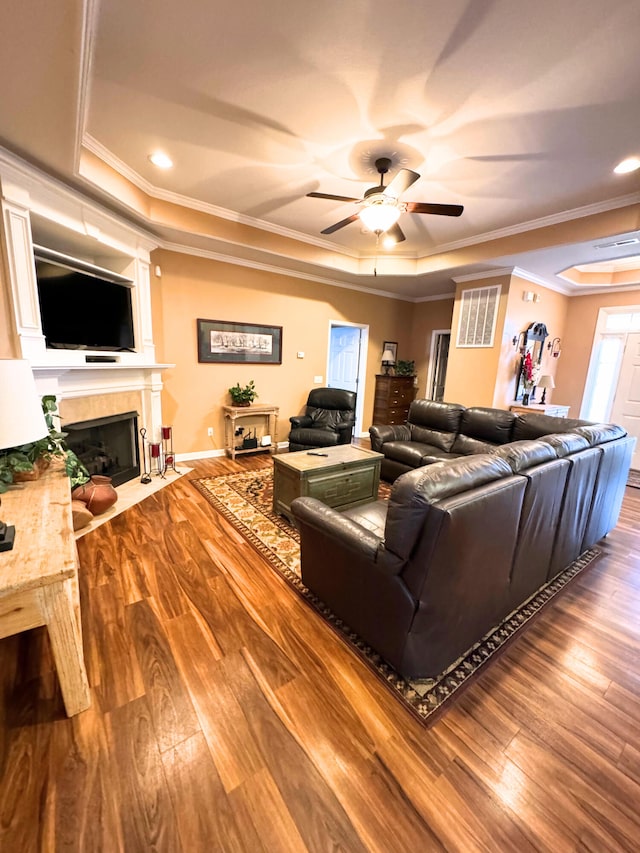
{"points": [[243, 396], [26, 462], [405, 368]]}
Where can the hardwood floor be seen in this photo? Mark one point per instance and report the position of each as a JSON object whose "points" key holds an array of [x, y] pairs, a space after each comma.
{"points": [[226, 716]]}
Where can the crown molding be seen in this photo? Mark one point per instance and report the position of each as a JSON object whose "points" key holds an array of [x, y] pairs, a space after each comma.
{"points": [[104, 154], [276, 270], [437, 298], [90, 9], [543, 222], [474, 276]]}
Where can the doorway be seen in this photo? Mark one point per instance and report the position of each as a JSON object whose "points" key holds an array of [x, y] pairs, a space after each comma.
{"points": [[347, 362], [626, 403], [612, 391], [440, 341]]}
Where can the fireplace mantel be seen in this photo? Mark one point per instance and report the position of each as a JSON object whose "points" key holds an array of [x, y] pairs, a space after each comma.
{"points": [[62, 219], [68, 382]]}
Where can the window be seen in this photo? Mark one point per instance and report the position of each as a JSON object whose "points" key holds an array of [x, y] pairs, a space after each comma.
{"points": [[478, 315]]}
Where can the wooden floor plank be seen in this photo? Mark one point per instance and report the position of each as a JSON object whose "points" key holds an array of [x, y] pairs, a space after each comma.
{"points": [[227, 715]]}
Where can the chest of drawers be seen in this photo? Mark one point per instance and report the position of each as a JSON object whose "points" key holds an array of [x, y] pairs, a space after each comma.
{"points": [[394, 395]]}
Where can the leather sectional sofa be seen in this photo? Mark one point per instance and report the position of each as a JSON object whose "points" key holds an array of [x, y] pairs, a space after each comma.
{"points": [[467, 535]]}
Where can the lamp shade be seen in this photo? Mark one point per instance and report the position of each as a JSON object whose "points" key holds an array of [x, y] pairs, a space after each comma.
{"points": [[546, 381], [380, 215], [387, 357], [21, 416]]}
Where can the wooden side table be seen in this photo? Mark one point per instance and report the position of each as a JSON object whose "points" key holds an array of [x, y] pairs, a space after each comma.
{"points": [[39, 578], [266, 411]]}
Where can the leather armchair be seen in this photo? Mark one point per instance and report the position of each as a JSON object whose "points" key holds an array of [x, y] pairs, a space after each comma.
{"points": [[327, 421]]}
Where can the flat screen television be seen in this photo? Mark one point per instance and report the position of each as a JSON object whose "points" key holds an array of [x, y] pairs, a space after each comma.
{"points": [[83, 310]]}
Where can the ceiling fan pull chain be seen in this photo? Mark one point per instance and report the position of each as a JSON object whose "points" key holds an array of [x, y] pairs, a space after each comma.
{"points": [[375, 260]]}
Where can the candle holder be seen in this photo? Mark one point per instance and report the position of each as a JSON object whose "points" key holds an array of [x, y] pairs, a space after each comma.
{"points": [[167, 449], [156, 460]]}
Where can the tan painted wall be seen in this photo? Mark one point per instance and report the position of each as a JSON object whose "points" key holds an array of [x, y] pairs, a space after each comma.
{"points": [[550, 310], [427, 317], [472, 372], [577, 342], [192, 288]]}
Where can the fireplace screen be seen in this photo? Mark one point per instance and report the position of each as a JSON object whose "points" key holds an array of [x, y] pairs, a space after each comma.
{"points": [[107, 446]]}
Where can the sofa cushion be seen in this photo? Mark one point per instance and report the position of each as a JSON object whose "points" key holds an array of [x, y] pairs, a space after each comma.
{"points": [[566, 443], [464, 445], [413, 492], [521, 455], [433, 437], [328, 418], [535, 425], [409, 452], [486, 424], [444, 417], [312, 438], [600, 433]]}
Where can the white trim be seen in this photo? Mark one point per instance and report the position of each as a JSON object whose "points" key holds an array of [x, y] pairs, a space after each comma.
{"points": [[473, 276], [362, 364], [95, 147], [87, 43], [435, 298], [259, 265], [543, 222], [432, 360], [199, 454]]}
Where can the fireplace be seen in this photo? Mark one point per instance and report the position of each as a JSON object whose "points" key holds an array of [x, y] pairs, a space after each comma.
{"points": [[107, 446]]}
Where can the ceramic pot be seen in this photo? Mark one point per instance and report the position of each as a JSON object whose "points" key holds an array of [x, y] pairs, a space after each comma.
{"points": [[98, 494]]}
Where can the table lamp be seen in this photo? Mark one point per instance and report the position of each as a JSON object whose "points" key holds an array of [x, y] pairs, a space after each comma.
{"points": [[545, 382], [387, 361], [21, 419]]}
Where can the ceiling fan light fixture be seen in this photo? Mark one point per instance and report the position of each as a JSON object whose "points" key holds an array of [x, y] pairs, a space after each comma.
{"points": [[380, 215]]}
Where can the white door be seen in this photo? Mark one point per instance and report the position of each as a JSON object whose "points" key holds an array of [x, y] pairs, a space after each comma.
{"points": [[346, 363], [344, 357], [626, 404]]}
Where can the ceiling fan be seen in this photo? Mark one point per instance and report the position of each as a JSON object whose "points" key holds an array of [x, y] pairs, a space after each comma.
{"points": [[381, 207]]}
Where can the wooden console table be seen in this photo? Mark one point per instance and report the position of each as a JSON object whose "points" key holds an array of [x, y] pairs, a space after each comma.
{"points": [[265, 411], [39, 578]]}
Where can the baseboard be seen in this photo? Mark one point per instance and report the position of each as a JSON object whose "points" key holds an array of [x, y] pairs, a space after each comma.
{"points": [[200, 454]]}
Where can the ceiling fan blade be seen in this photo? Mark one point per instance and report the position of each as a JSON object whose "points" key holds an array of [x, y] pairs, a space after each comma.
{"points": [[334, 197], [401, 182], [340, 224], [439, 209], [396, 233]]}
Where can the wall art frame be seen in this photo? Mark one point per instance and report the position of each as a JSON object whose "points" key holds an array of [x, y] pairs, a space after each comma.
{"points": [[225, 342], [393, 346]]}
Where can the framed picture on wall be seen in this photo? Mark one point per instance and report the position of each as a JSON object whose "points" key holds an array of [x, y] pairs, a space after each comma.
{"points": [[392, 346], [223, 342]]}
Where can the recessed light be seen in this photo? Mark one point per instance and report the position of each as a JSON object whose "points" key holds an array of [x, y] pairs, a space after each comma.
{"points": [[389, 242], [161, 160], [628, 165]]}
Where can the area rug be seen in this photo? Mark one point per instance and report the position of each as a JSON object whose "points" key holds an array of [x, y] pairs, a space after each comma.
{"points": [[246, 501], [633, 479]]}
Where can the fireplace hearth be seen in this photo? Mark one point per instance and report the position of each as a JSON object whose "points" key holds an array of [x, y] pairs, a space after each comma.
{"points": [[107, 446]]}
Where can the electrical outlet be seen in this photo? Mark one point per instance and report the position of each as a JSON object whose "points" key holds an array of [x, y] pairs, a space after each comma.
{"points": [[210, 432]]}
